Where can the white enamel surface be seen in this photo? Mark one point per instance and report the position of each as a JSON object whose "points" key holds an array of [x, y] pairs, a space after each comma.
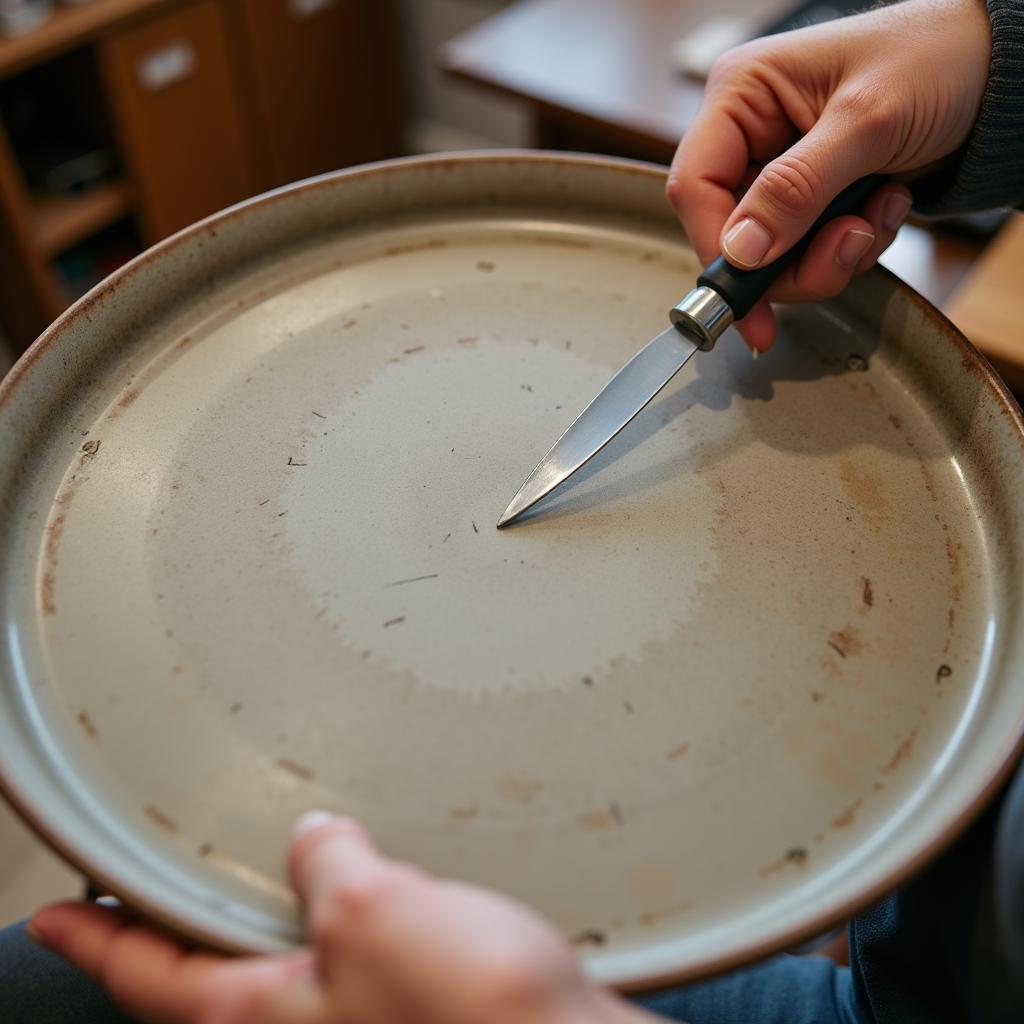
{"points": [[694, 704]]}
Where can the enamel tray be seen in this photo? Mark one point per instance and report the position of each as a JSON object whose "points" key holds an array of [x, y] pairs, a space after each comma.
{"points": [[756, 664]]}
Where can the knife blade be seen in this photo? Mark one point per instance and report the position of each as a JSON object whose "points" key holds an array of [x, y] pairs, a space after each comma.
{"points": [[723, 294]]}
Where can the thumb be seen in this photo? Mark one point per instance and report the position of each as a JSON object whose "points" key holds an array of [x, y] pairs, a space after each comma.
{"points": [[791, 192]]}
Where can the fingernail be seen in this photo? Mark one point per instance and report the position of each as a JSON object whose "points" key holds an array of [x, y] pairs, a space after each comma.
{"points": [[853, 246], [754, 353], [897, 206], [310, 821], [746, 243]]}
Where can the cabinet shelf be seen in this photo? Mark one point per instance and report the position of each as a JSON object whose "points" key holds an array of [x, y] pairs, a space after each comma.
{"points": [[60, 222]]}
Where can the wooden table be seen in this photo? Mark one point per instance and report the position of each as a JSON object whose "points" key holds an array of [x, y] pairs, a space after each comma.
{"points": [[598, 76]]}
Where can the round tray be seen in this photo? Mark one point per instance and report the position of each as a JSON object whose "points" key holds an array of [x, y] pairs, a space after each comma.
{"points": [[741, 675]]}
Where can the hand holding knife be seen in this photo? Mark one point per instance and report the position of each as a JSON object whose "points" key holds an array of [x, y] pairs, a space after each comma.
{"points": [[723, 294]]}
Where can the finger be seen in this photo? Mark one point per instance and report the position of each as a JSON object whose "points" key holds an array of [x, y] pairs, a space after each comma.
{"points": [[343, 882], [713, 161], [793, 190], [758, 327], [155, 978], [886, 210]]}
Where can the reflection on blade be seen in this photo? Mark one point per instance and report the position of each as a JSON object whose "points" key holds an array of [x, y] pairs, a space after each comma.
{"points": [[620, 400]]}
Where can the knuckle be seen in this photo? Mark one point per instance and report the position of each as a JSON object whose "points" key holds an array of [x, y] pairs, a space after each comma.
{"points": [[675, 192], [792, 186], [732, 63]]}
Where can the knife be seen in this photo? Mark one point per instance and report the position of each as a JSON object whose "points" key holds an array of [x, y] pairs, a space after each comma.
{"points": [[723, 294]]}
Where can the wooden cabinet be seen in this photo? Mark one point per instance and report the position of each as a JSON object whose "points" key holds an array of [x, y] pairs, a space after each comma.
{"points": [[205, 102], [322, 81], [177, 118]]}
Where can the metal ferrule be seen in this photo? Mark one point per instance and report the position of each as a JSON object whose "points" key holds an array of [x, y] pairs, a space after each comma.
{"points": [[703, 313]]}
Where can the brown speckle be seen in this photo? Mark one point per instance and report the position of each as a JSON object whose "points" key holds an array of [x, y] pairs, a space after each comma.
{"points": [[467, 342], [46, 593], [902, 753], [293, 767], [235, 708], [845, 818], [595, 821], [464, 813], [627, 707], [942, 672], [896, 422], [349, 324], [587, 681], [796, 855], [846, 641], [678, 752], [204, 849], [952, 556], [485, 265], [654, 917], [401, 250], [867, 594], [87, 725], [589, 937], [90, 449], [395, 621], [816, 696], [177, 669], [475, 527], [318, 415], [616, 813], [126, 399], [184, 342], [410, 351], [515, 788], [164, 821], [866, 488]]}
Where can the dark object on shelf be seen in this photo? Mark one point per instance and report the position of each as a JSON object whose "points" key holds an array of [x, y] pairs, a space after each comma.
{"points": [[68, 169]]}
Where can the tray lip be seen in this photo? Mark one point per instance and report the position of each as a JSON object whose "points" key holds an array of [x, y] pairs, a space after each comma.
{"points": [[1002, 760]]}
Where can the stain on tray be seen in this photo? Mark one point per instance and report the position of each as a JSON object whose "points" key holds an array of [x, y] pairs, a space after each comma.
{"points": [[294, 768], [896, 422], [46, 593], [654, 917], [867, 594], [464, 813], [88, 727], [943, 671], [395, 621], [678, 752], [846, 818], [589, 937], [485, 265], [127, 399], [846, 642], [235, 708], [204, 849], [415, 579], [414, 349], [901, 754], [160, 819], [520, 788], [795, 856], [402, 250], [467, 342]]}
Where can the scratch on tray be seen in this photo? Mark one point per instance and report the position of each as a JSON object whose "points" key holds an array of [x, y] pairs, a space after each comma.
{"points": [[394, 622], [416, 579]]}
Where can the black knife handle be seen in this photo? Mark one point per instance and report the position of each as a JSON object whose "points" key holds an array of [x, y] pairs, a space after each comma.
{"points": [[742, 288]]}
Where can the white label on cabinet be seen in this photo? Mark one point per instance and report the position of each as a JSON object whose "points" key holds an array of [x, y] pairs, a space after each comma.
{"points": [[164, 67], [307, 8]]}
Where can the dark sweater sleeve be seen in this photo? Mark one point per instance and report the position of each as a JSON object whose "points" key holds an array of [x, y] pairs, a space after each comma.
{"points": [[990, 170]]}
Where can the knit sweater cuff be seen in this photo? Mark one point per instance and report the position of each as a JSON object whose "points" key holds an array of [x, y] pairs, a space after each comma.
{"points": [[990, 170]]}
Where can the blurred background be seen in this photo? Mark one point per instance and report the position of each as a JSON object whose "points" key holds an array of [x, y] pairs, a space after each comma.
{"points": [[122, 121]]}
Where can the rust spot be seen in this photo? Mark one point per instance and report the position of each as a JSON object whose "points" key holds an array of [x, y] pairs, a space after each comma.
{"points": [[674, 755], [865, 488], [46, 593], [464, 813], [929, 481], [415, 348], [177, 669], [54, 530], [589, 937], [204, 849], [595, 821], [953, 556], [846, 641], [485, 265], [796, 855], [587, 681], [468, 342], [816, 696], [88, 727], [520, 788], [942, 672], [656, 916], [401, 250], [235, 708], [155, 815], [867, 595], [896, 422], [846, 817], [123, 402], [902, 753], [185, 342], [90, 448], [300, 771], [349, 324]]}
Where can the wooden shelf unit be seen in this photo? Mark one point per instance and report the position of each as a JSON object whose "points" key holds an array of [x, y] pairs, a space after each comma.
{"points": [[206, 102]]}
